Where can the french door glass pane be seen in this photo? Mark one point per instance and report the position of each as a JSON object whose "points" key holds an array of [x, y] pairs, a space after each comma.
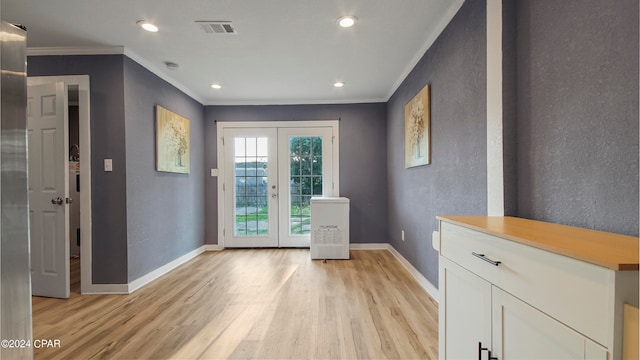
{"points": [[305, 162], [250, 186]]}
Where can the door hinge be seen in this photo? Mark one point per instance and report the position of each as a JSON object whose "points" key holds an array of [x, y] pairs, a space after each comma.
{"points": [[223, 189], [332, 138], [222, 138]]}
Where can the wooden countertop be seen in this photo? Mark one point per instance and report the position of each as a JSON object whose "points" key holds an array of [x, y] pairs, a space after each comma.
{"points": [[613, 251]]}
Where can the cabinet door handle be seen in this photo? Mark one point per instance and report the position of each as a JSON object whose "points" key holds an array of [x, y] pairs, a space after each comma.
{"points": [[480, 349], [482, 257]]}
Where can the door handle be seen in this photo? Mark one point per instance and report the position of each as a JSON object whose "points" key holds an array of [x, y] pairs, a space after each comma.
{"points": [[69, 200], [273, 196], [57, 201]]}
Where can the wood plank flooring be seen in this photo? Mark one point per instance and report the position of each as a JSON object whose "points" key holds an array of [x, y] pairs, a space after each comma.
{"points": [[251, 304]]}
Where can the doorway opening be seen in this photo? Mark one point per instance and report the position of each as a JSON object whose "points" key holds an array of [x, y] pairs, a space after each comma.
{"points": [[74, 188]]}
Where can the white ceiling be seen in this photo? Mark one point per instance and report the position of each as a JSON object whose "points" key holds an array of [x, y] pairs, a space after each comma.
{"points": [[285, 52]]}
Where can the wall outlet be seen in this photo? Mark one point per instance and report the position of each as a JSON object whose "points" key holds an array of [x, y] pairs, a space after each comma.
{"points": [[402, 235]]}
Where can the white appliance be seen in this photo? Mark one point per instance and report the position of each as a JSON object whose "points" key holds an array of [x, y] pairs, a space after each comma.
{"points": [[329, 228]]}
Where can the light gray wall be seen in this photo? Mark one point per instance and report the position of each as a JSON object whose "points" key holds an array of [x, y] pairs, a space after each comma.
{"points": [[109, 212], [455, 182], [362, 159], [578, 113], [165, 211]]}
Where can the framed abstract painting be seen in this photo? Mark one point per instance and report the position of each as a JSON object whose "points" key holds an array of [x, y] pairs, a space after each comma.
{"points": [[417, 128], [173, 142]]}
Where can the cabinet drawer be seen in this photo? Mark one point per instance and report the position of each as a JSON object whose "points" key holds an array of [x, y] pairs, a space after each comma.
{"points": [[563, 288]]}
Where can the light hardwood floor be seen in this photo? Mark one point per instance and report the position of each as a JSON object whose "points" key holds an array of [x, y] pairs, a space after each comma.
{"points": [[252, 304]]}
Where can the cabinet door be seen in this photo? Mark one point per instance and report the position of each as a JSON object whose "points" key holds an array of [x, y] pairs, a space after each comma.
{"points": [[522, 332], [465, 312]]}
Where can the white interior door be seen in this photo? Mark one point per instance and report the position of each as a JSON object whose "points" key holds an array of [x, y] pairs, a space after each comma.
{"points": [[269, 175], [47, 111], [251, 187], [305, 162]]}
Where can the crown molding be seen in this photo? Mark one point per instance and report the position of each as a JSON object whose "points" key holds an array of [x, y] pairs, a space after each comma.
{"points": [[155, 69], [446, 19], [76, 50], [226, 102], [113, 50]]}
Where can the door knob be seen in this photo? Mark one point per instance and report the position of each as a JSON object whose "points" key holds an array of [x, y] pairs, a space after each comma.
{"points": [[57, 201], [69, 200], [273, 196]]}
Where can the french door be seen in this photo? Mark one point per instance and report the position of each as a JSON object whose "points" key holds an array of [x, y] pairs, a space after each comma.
{"points": [[269, 175]]}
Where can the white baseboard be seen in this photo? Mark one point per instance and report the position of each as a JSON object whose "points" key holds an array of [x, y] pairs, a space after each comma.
{"points": [[97, 289], [426, 284], [369, 246], [107, 289], [145, 279], [212, 247]]}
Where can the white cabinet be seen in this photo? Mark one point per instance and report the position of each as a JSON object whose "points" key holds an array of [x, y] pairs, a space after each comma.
{"points": [[474, 309], [465, 312], [522, 332], [507, 299], [465, 303]]}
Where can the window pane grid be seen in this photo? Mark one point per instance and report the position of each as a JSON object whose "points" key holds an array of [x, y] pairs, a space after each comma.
{"points": [[305, 163], [251, 198]]}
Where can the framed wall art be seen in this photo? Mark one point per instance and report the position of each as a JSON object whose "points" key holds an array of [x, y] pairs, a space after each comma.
{"points": [[417, 128], [173, 142]]}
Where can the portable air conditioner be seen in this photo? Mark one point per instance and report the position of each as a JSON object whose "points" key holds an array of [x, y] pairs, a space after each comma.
{"points": [[329, 228]]}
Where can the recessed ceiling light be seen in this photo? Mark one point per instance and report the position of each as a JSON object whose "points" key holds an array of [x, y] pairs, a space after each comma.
{"points": [[216, 86], [147, 26], [347, 21], [338, 84]]}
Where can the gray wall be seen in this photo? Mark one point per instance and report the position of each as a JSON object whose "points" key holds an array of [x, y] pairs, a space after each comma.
{"points": [[362, 159], [455, 181], [578, 113], [109, 212], [165, 211], [571, 139], [138, 213]]}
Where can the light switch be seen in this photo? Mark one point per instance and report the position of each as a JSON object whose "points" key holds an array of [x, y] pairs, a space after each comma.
{"points": [[108, 164], [214, 172]]}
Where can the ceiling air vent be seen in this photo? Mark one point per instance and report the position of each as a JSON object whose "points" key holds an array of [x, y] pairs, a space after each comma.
{"points": [[217, 27]]}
